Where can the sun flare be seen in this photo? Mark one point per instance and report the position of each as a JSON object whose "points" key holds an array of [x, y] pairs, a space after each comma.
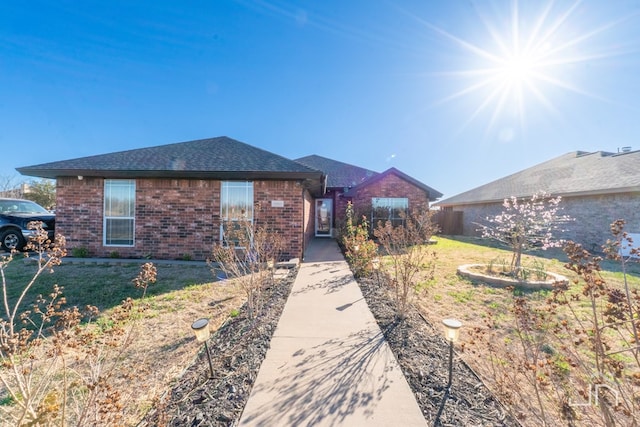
{"points": [[522, 63], [518, 69]]}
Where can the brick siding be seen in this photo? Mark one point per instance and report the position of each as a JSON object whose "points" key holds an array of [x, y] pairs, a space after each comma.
{"points": [[175, 218], [389, 186], [592, 217]]}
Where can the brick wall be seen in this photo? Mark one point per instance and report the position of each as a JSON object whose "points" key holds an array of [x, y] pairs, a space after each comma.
{"points": [[390, 186], [175, 218], [289, 219], [79, 206], [308, 218], [593, 215]]}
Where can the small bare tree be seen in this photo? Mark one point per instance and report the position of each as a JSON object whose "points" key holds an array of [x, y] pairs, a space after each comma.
{"points": [[57, 366], [526, 225], [10, 186], [411, 263], [247, 254]]}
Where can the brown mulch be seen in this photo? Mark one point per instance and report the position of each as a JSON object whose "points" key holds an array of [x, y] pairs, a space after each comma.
{"points": [[240, 345]]}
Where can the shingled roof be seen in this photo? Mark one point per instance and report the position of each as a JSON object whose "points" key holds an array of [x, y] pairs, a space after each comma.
{"points": [[219, 158], [577, 173], [339, 174]]}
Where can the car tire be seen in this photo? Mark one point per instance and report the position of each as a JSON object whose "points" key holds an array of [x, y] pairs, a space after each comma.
{"points": [[11, 239]]}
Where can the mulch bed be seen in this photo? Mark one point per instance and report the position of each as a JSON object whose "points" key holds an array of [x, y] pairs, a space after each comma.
{"points": [[237, 351], [239, 347], [423, 355]]}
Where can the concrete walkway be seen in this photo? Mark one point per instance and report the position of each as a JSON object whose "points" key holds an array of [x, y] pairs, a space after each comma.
{"points": [[329, 364]]}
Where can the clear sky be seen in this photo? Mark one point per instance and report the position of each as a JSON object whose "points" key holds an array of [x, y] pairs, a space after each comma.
{"points": [[455, 93]]}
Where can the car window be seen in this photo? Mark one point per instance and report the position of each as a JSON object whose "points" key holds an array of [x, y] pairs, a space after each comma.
{"points": [[21, 206]]}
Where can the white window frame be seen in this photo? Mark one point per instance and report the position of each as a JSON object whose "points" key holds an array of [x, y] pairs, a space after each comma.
{"points": [[243, 211], [126, 190]]}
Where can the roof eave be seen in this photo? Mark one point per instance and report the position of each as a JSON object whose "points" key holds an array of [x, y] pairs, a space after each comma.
{"points": [[56, 173], [598, 192]]}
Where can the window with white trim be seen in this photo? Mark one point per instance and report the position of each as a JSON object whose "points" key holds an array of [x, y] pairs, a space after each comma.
{"points": [[236, 203], [385, 209], [119, 212]]}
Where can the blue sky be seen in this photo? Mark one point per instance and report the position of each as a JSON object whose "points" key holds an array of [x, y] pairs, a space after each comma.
{"points": [[453, 93]]}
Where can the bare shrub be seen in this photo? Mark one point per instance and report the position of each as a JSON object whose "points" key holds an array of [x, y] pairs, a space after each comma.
{"points": [[359, 249], [58, 365], [408, 263], [248, 254], [573, 354]]}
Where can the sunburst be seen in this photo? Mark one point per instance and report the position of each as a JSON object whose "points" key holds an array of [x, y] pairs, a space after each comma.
{"points": [[524, 63]]}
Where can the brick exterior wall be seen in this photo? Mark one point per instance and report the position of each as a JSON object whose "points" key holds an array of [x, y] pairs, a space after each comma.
{"points": [[593, 215], [289, 220], [389, 186], [308, 218], [175, 218]]}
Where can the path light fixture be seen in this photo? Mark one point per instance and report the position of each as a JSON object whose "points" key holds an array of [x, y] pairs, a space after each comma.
{"points": [[201, 330], [451, 333], [375, 264], [271, 264]]}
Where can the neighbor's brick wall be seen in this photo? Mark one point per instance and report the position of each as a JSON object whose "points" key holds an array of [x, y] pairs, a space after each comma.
{"points": [[593, 216], [174, 217]]}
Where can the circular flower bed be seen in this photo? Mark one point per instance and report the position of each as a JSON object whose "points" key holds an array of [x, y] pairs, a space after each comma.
{"points": [[482, 273]]}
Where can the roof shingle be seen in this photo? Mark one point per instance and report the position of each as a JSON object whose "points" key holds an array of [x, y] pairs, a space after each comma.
{"points": [[572, 174], [339, 174], [213, 157]]}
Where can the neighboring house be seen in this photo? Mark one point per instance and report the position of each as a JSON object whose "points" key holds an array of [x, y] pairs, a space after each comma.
{"points": [[596, 189], [170, 201], [379, 196]]}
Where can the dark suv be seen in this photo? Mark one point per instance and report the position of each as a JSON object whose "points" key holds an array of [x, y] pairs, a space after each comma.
{"points": [[15, 216]]}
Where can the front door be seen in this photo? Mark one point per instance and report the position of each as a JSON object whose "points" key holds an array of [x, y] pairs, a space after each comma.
{"points": [[324, 217]]}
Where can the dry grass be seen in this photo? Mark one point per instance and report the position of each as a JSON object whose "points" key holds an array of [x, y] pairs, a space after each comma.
{"points": [[472, 303], [162, 343]]}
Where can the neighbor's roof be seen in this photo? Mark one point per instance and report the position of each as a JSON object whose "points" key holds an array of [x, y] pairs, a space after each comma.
{"points": [[577, 173], [221, 158], [339, 174]]}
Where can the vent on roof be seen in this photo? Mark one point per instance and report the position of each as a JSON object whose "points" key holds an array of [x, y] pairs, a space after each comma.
{"points": [[624, 150]]}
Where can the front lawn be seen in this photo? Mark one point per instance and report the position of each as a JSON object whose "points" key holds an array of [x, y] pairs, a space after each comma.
{"points": [[156, 349], [501, 326]]}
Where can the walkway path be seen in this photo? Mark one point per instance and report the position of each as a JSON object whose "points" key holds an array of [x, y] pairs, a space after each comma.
{"points": [[329, 364]]}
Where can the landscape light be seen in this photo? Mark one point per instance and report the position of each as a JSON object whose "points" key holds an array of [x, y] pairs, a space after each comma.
{"points": [[375, 264], [452, 329], [201, 330], [451, 333]]}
